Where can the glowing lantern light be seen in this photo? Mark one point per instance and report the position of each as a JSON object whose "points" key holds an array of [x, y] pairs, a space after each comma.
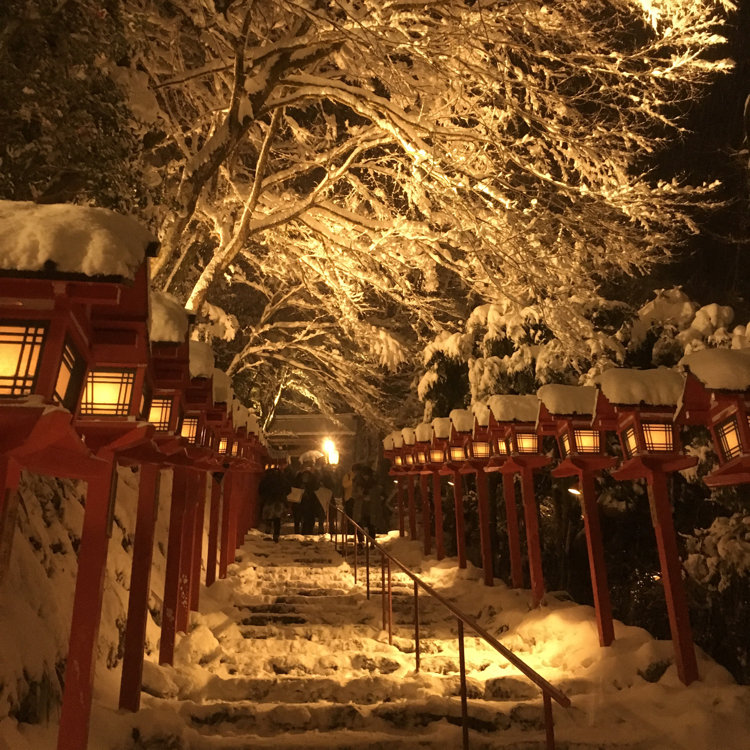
{"points": [[107, 393]]}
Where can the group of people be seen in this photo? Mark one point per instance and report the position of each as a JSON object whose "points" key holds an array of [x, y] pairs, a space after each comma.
{"points": [[309, 494]]}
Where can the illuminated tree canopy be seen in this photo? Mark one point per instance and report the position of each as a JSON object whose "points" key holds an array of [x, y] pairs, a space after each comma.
{"points": [[348, 178]]}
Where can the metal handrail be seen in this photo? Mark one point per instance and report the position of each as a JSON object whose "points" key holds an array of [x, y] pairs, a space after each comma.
{"points": [[549, 691]]}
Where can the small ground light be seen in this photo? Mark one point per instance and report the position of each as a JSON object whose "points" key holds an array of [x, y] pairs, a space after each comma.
{"points": [[574, 490]]}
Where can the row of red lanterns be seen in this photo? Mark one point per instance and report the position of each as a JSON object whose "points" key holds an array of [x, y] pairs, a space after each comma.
{"points": [[645, 408], [96, 372]]}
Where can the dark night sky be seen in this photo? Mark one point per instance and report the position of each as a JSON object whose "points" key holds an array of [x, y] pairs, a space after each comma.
{"points": [[716, 265]]}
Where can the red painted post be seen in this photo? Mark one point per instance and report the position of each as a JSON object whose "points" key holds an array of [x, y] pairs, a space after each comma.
{"points": [[400, 502], [483, 502], [197, 555], [514, 536], [424, 494], [412, 508], [437, 502], [170, 604], [458, 502], [233, 506], [87, 608], [226, 516], [671, 574], [213, 528], [597, 565], [532, 535], [10, 474], [140, 577], [184, 587]]}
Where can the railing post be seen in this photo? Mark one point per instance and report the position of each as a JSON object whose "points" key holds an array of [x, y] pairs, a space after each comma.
{"points": [[416, 625], [382, 585], [390, 605], [355, 547], [549, 725], [462, 672], [367, 566]]}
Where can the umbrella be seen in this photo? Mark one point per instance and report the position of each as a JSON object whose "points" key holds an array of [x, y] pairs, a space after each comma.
{"points": [[311, 456]]}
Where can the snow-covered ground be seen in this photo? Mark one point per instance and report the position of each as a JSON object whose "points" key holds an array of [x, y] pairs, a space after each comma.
{"points": [[287, 652]]}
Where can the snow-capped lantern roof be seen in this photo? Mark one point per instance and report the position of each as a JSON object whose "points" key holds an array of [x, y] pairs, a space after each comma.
{"points": [[441, 427], [168, 319], [720, 369], [481, 413], [201, 360], [222, 386], [392, 441], [625, 387], [568, 400], [409, 436], [252, 424], [239, 414], [423, 432], [70, 239], [514, 408], [462, 420]]}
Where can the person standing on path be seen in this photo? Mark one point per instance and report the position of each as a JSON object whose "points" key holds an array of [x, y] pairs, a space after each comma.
{"points": [[273, 489]]}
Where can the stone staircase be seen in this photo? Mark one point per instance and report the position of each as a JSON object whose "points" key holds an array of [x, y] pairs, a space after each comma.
{"points": [[291, 654]]}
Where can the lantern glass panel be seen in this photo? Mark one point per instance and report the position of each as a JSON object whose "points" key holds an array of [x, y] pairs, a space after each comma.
{"points": [[235, 447], [629, 442], [480, 449], [587, 441], [457, 453], [658, 436], [107, 393], [160, 412], [421, 457], [69, 377], [565, 444], [729, 437], [527, 442], [501, 447], [399, 461], [20, 348], [190, 428], [437, 455], [223, 444], [409, 459]]}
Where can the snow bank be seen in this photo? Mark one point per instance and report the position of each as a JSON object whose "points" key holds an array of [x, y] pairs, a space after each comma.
{"points": [[76, 239], [168, 320]]}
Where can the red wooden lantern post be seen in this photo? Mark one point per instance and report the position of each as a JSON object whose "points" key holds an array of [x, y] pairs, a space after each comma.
{"points": [[499, 454], [643, 404], [515, 419], [392, 447], [407, 455], [717, 394], [476, 446], [113, 398], [438, 463], [567, 412], [423, 434]]}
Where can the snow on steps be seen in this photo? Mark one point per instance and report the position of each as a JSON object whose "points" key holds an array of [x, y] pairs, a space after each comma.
{"points": [[308, 687]]}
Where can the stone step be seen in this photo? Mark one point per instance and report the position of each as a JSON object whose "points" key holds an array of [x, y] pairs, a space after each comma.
{"points": [[402, 715]]}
